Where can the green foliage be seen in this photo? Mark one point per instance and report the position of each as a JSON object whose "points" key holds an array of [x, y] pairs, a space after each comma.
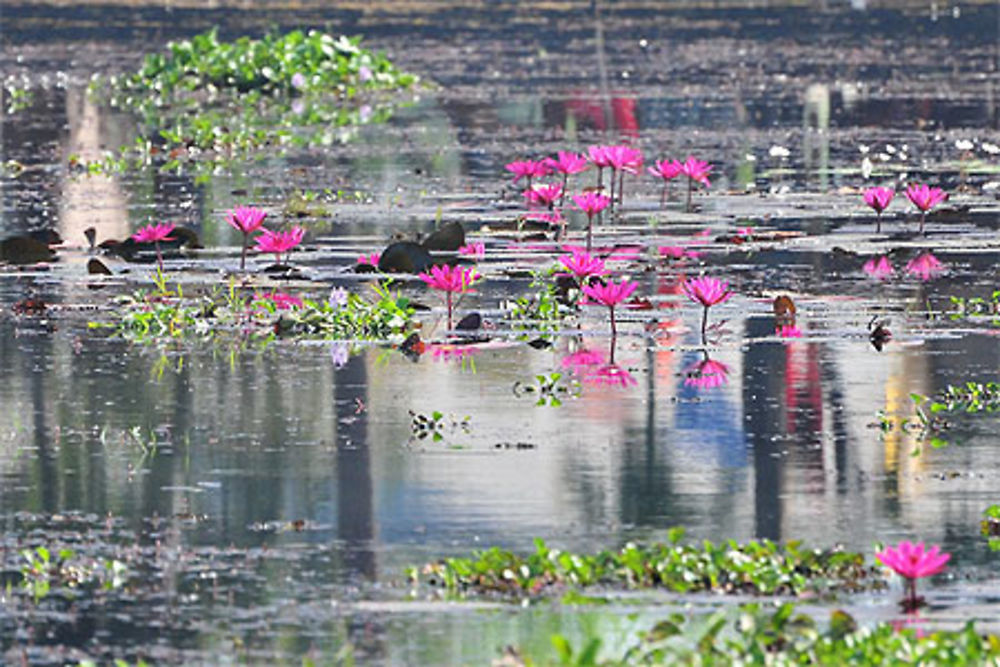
{"points": [[207, 99], [162, 316], [541, 312], [43, 571], [763, 567], [754, 635], [989, 527], [976, 307], [549, 389], [435, 426]]}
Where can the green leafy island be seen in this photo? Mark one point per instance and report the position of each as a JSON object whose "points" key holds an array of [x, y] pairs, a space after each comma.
{"points": [[989, 527], [758, 567], [752, 634], [164, 315], [207, 99]]}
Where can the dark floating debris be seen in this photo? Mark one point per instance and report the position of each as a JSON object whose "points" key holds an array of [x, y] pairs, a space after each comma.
{"points": [[96, 267], [25, 250], [405, 257], [449, 237]]}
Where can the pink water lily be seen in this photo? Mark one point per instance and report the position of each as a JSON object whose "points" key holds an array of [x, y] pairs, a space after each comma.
{"points": [[154, 233], [880, 268], [667, 170], [543, 195], [708, 292], [475, 250], [245, 220], [706, 374], [925, 266], [676, 252], [281, 300], [697, 171], [371, 259], [925, 198], [788, 331], [567, 163], [879, 199], [451, 280], [609, 294], [528, 169], [913, 561], [622, 159], [583, 265], [279, 242], [591, 203]]}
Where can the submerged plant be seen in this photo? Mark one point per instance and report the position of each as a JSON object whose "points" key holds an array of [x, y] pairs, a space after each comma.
{"points": [[912, 562]]}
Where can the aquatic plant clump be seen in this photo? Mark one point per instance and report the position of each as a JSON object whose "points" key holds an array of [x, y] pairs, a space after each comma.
{"points": [[753, 634], [762, 568]]}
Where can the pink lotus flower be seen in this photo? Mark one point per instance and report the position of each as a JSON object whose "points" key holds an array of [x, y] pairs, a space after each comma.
{"points": [[582, 265], [788, 331], [451, 280], [476, 250], [706, 374], [543, 195], [745, 232], [708, 292], [599, 156], [912, 561], [878, 199], [925, 198], [371, 259], [154, 234], [880, 268], [622, 159], [666, 169], [245, 220], [568, 163], [591, 203], [697, 171], [527, 169], [279, 242], [609, 294], [925, 267], [281, 300]]}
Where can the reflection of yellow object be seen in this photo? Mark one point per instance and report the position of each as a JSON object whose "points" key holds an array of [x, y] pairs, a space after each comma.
{"points": [[899, 406]]}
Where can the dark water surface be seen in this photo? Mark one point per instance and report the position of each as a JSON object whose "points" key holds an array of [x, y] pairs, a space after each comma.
{"points": [[277, 497]]}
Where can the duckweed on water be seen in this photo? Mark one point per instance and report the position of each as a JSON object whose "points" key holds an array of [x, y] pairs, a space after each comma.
{"points": [[754, 635], [759, 567]]}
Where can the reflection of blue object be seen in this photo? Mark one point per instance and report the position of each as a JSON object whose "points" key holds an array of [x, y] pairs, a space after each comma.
{"points": [[709, 430]]}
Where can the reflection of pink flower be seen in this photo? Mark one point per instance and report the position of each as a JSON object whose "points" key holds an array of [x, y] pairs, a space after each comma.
{"points": [[476, 250], [879, 198], [582, 264], [543, 195], [706, 374], [707, 291], [279, 242], [925, 267], [581, 361], [449, 352], [611, 374], [154, 233], [789, 331], [745, 232], [880, 268], [371, 259]]}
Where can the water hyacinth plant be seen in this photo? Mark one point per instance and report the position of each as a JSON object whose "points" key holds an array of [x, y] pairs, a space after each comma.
{"points": [[451, 280]]}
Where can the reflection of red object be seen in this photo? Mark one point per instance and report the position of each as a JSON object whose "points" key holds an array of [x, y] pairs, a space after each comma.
{"points": [[591, 110]]}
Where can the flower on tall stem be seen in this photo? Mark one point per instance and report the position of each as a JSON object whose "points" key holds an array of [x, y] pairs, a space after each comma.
{"points": [[912, 562], [925, 266], [667, 170], [567, 163], [451, 280], [708, 292], [528, 169], [583, 265], [697, 171], [609, 294], [879, 199], [621, 159], [925, 198], [279, 242], [598, 155], [246, 220], [591, 203], [154, 233]]}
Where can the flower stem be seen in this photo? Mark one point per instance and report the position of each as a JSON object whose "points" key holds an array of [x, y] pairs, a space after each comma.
{"points": [[243, 254], [562, 195], [663, 195], [449, 310], [923, 217], [159, 256], [878, 222], [614, 329], [690, 186], [590, 225], [704, 325], [621, 189], [611, 204]]}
